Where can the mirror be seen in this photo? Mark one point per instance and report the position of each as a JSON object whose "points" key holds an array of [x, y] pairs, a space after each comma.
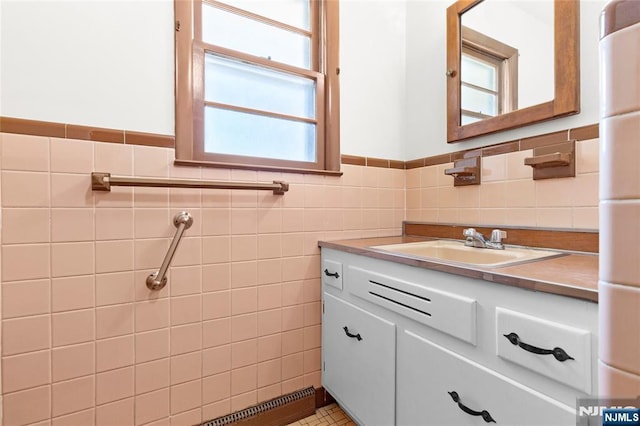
{"points": [[510, 64]]}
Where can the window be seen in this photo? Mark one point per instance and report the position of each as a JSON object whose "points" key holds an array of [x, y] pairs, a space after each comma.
{"points": [[488, 76], [257, 84]]}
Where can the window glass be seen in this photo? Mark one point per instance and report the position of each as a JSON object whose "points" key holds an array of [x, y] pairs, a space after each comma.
{"points": [[236, 83], [479, 101], [467, 119], [478, 73], [264, 89], [239, 133], [290, 12], [242, 34]]}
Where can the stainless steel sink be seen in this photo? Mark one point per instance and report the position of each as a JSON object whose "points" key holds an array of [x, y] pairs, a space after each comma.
{"points": [[457, 252]]}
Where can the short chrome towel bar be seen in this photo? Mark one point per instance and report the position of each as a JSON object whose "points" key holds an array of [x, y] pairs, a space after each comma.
{"points": [[158, 279], [104, 182]]}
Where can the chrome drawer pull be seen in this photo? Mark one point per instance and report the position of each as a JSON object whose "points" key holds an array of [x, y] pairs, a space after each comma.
{"points": [[353, 336], [558, 353], [331, 274], [484, 413]]}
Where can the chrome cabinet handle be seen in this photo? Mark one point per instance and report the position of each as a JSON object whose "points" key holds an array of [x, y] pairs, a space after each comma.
{"points": [[331, 274], [558, 353], [353, 336], [484, 413]]}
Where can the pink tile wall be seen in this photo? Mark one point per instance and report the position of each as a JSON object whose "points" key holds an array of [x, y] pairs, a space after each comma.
{"points": [[85, 342], [508, 194], [239, 322], [620, 218]]}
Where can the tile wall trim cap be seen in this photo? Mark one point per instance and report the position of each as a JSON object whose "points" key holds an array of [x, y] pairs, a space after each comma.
{"points": [[617, 15], [129, 137]]}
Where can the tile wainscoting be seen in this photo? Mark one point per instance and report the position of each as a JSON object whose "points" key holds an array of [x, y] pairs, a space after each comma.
{"points": [[508, 195], [84, 341]]}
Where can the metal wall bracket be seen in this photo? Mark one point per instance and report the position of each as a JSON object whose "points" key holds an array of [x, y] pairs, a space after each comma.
{"points": [[100, 181], [553, 161], [466, 171]]}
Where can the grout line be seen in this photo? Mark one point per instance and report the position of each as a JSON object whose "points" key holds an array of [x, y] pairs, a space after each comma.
{"points": [[50, 188]]}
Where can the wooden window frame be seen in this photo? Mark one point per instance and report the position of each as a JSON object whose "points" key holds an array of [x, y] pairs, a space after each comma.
{"points": [[189, 88], [504, 57], [566, 72]]}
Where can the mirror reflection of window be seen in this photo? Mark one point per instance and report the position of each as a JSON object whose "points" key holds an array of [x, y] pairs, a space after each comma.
{"points": [[546, 34], [492, 30], [479, 88], [488, 76]]}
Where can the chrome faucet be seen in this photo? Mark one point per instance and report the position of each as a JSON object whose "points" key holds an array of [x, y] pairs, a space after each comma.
{"points": [[476, 239]]}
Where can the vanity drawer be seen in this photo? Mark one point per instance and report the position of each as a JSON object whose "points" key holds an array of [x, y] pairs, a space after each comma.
{"points": [[450, 313], [429, 376], [332, 273], [527, 341], [359, 358]]}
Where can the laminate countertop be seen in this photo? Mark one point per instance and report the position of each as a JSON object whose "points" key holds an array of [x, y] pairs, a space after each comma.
{"points": [[572, 275]]}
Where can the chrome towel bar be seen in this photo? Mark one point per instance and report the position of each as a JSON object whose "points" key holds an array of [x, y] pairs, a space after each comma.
{"points": [[158, 279], [104, 182]]}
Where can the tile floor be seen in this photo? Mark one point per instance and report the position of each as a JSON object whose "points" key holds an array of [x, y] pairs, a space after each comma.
{"points": [[329, 415]]}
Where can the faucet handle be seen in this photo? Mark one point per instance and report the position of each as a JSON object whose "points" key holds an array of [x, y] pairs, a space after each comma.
{"points": [[469, 232], [497, 235]]}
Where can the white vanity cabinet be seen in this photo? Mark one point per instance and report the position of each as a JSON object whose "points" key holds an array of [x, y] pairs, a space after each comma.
{"points": [[434, 348], [436, 386], [359, 368]]}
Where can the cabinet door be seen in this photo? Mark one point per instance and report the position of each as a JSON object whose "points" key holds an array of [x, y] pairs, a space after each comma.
{"points": [[359, 361], [543, 334], [431, 378]]}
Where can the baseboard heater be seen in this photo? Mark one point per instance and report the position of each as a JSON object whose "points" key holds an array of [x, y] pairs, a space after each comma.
{"points": [[275, 412]]}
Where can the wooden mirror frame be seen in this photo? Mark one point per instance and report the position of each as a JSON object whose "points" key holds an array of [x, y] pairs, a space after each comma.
{"points": [[566, 99]]}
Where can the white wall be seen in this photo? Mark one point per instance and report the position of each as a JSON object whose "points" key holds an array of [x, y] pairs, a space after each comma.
{"points": [[109, 63], [426, 66], [372, 78], [90, 62]]}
